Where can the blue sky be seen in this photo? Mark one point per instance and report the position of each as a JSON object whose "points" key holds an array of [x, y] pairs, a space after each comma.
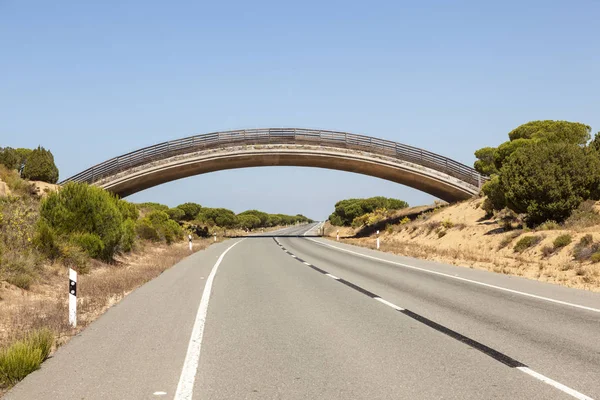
{"points": [[92, 80]]}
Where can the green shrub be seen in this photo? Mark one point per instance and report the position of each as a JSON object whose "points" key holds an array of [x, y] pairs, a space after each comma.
{"points": [[80, 208], [447, 224], [549, 190], [508, 239], [73, 256], [128, 210], [18, 361], [89, 242], [548, 226], [562, 241], [24, 356], [336, 220], [595, 257], [146, 230], [46, 241], [129, 236], [42, 339], [526, 242], [404, 221], [40, 166]]}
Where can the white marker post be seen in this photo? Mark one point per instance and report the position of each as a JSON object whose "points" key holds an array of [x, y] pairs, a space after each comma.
{"points": [[72, 298], [215, 236], [377, 240], [190, 241], [338, 236]]}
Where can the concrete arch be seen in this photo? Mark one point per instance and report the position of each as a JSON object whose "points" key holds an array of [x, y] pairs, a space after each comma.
{"points": [[154, 165]]}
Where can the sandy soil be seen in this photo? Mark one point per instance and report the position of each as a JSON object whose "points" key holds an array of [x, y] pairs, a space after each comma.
{"points": [[458, 234]]}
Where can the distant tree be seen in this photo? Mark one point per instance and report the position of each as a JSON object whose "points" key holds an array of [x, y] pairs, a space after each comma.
{"points": [[190, 210], [220, 217], [22, 155], [248, 221], [176, 214], [40, 166], [9, 158]]}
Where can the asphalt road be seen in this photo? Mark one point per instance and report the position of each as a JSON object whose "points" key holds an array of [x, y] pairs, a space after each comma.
{"points": [[308, 318]]}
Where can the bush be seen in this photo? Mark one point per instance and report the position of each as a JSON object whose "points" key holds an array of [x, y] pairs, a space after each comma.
{"points": [[562, 241], [146, 230], [548, 190], [128, 210], [46, 241], [40, 166], [526, 242], [549, 226], [73, 256], [508, 239], [346, 211], [24, 356], [89, 242], [547, 251], [157, 226], [595, 257], [495, 195], [404, 221], [584, 249], [447, 224], [584, 216], [9, 158], [129, 236], [441, 234], [80, 208]]}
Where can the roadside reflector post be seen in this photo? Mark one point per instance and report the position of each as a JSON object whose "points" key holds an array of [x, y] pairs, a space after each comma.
{"points": [[337, 237], [215, 236], [377, 240], [72, 297], [190, 241]]}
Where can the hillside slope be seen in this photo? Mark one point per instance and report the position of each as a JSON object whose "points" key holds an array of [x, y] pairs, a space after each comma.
{"points": [[460, 234]]}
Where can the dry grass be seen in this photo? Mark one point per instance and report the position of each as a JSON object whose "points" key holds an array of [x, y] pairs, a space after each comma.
{"points": [[45, 305], [568, 257]]}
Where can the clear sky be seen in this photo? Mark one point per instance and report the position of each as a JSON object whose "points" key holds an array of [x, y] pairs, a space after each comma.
{"points": [[93, 80]]}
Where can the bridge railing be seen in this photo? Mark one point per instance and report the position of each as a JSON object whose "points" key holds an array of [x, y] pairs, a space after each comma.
{"points": [[296, 136]]}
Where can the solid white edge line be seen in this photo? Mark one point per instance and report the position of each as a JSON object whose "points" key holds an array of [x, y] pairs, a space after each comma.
{"points": [[387, 303], [185, 387], [306, 263], [557, 385], [333, 276], [461, 279]]}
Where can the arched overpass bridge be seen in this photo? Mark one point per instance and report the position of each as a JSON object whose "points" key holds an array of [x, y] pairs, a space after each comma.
{"points": [[141, 169]]}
